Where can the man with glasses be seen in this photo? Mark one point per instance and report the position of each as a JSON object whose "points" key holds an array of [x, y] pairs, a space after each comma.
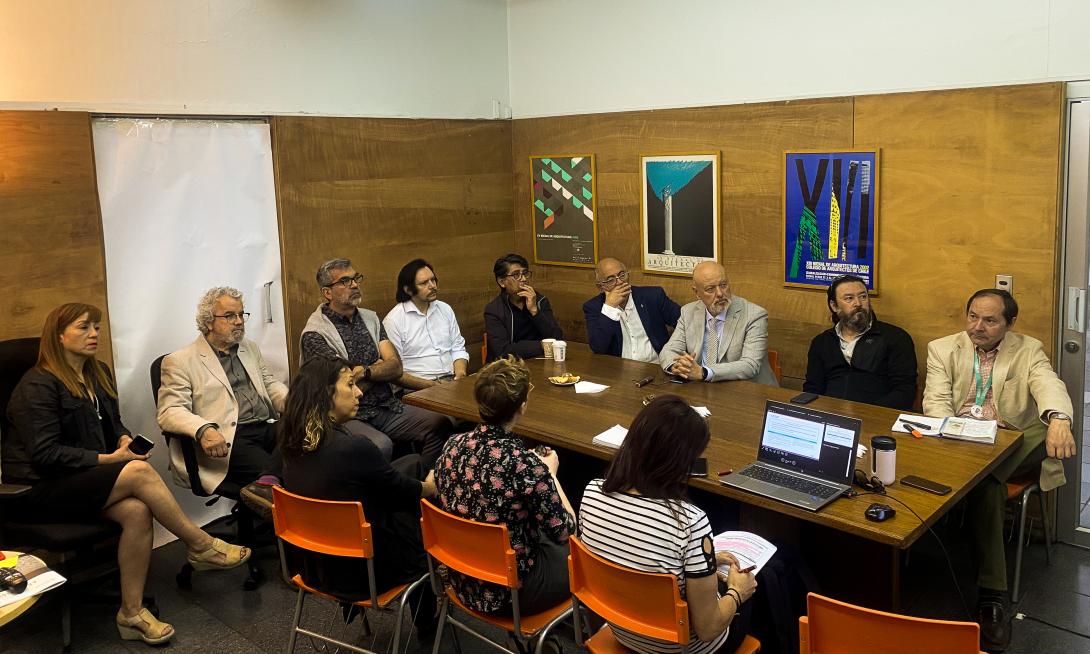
{"points": [[519, 318], [633, 322], [719, 336], [218, 391], [424, 330], [861, 358], [339, 327]]}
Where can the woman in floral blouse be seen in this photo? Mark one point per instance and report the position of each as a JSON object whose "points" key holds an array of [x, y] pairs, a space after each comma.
{"points": [[489, 475]]}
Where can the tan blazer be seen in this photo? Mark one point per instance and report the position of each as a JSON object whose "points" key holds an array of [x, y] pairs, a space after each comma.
{"points": [[1024, 386], [195, 391], [743, 346]]}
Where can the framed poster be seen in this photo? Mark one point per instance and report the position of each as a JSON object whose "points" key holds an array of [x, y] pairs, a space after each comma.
{"points": [[830, 217], [563, 196], [679, 211]]}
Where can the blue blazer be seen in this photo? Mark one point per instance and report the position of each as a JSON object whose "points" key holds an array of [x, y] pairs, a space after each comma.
{"points": [[656, 311]]}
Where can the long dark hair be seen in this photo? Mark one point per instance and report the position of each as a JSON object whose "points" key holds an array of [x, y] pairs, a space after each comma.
{"points": [[406, 279], [659, 450], [306, 413]]}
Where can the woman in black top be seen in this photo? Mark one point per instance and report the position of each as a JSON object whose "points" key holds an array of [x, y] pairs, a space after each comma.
{"points": [[322, 460], [69, 444]]}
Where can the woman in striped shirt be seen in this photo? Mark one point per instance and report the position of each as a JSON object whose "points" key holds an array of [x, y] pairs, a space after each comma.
{"points": [[639, 517]]}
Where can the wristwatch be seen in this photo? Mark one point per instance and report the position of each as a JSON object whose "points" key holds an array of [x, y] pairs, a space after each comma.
{"points": [[367, 373], [1057, 415]]}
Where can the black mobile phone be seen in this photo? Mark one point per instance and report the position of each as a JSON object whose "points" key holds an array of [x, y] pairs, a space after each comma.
{"points": [[804, 398], [140, 445], [700, 468], [925, 484]]}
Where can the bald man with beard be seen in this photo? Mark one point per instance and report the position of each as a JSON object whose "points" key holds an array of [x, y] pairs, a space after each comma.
{"points": [[632, 322], [719, 336]]}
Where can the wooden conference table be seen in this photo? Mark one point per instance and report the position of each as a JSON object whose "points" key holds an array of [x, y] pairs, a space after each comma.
{"points": [[562, 418]]}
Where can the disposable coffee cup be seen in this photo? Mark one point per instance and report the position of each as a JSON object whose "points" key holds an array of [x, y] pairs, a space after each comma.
{"points": [[547, 346], [560, 351]]}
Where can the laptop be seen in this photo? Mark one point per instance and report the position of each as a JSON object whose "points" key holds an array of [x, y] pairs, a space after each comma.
{"points": [[806, 457]]}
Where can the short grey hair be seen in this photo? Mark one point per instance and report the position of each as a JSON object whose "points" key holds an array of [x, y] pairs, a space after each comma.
{"points": [[206, 306], [324, 276]]}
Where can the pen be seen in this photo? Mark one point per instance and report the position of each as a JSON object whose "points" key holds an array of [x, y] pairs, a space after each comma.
{"points": [[748, 570], [644, 382], [912, 428], [919, 425]]}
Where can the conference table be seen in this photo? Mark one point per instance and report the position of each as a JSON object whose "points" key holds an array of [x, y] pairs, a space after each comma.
{"points": [[865, 555]]}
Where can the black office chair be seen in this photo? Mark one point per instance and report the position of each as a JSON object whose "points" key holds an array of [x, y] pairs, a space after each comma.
{"points": [[82, 552], [243, 517]]}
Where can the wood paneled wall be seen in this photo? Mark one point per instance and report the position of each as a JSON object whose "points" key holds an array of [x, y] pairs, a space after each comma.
{"points": [[969, 188], [50, 226], [385, 191]]}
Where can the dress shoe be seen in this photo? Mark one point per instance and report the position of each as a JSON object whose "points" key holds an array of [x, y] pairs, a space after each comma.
{"points": [[995, 626]]}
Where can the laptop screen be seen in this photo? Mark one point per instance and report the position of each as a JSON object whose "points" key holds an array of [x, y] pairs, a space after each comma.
{"points": [[813, 442]]}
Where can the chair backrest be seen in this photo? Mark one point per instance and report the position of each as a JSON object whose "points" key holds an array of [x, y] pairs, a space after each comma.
{"points": [[322, 526], [774, 363], [832, 626], [17, 355], [647, 603], [476, 549], [484, 349]]}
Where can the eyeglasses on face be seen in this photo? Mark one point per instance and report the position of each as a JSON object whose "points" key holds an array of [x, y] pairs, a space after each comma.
{"points": [[232, 317], [520, 275], [613, 279], [346, 281]]}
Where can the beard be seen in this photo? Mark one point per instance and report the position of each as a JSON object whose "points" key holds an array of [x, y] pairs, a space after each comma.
{"points": [[858, 320], [236, 335]]}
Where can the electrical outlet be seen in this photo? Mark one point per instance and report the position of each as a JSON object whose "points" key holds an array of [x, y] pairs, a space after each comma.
{"points": [[1005, 283]]}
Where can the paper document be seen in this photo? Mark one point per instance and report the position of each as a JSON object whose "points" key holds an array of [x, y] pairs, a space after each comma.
{"points": [[589, 387], [749, 549], [39, 579], [969, 429], [703, 411], [933, 424], [860, 451], [612, 437]]}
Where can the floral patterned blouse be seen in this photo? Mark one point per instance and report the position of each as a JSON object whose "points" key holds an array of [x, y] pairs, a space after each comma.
{"points": [[489, 475]]}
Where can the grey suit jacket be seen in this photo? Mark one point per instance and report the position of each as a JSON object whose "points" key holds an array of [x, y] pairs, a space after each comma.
{"points": [[743, 346], [195, 391]]}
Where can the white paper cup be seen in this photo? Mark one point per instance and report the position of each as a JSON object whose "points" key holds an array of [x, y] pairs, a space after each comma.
{"points": [[547, 345], [560, 350]]}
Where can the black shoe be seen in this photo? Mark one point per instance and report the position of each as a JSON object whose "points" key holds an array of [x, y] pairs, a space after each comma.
{"points": [[995, 626], [258, 498]]}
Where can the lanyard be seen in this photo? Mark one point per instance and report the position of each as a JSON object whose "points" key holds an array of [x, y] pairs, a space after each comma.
{"points": [[981, 388]]}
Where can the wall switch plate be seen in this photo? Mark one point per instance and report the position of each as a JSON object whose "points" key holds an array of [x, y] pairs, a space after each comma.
{"points": [[1005, 283]]}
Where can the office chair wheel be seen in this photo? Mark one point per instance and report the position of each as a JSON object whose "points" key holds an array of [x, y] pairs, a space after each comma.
{"points": [[184, 578]]}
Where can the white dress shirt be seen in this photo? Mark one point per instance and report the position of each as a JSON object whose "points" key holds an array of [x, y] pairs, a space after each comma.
{"points": [[427, 343], [634, 342]]}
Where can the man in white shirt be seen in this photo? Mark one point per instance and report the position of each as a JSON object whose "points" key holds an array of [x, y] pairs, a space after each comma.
{"points": [[424, 330], [632, 322]]}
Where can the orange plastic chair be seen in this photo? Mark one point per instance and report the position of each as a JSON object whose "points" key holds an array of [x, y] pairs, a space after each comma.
{"points": [[647, 603], [832, 626], [339, 529], [482, 551], [774, 363]]}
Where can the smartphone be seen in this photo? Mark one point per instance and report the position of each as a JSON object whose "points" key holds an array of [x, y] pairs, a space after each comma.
{"points": [[925, 485], [140, 445], [804, 398], [700, 468]]}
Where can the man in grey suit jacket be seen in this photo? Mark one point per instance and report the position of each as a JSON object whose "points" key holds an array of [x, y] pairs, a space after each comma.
{"points": [[718, 337]]}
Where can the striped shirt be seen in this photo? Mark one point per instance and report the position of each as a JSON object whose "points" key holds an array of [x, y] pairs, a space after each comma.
{"points": [[643, 533]]}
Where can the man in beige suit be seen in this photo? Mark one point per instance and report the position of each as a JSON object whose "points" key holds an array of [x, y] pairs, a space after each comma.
{"points": [[719, 336], [218, 391], [991, 373]]}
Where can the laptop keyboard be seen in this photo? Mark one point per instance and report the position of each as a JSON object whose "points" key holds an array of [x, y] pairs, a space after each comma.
{"points": [[790, 481]]}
